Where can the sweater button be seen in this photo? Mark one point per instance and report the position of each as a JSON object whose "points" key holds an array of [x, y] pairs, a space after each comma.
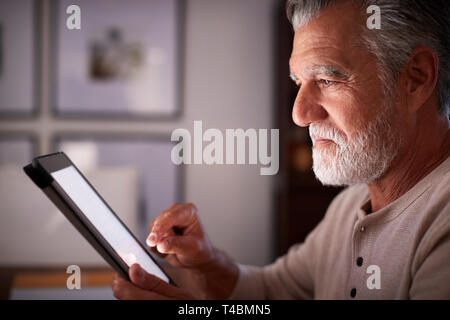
{"points": [[353, 293], [359, 261], [362, 229]]}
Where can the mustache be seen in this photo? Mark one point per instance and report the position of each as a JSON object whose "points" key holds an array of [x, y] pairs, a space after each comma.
{"points": [[318, 130]]}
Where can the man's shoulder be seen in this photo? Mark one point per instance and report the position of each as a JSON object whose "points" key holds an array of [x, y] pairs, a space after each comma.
{"points": [[433, 223], [435, 201], [440, 187], [436, 209]]}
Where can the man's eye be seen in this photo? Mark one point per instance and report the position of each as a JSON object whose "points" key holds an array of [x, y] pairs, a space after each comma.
{"points": [[326, 83]]}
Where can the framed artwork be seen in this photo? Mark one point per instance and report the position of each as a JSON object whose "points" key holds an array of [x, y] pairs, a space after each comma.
{"points": [[124, 62], [160, 181], [19, 57]]}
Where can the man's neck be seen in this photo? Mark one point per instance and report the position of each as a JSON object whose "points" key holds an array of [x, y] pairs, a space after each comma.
{"points": [[425, 154]]}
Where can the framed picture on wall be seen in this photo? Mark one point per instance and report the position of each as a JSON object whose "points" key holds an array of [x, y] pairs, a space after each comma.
{"points": [[160, 182], [124, 61], [19, 58]]}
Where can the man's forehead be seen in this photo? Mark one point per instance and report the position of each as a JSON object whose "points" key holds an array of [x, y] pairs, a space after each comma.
{"points": [[332, 61], [328, 43]]}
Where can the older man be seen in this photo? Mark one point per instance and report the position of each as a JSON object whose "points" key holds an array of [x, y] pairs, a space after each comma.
{"points": [[376, 103]]}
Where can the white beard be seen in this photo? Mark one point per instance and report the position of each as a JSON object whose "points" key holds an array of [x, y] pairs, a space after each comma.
{"points": [[363, 159]]}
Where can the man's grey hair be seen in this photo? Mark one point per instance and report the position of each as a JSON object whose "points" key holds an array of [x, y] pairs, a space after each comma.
{"points": [[405, 25]]}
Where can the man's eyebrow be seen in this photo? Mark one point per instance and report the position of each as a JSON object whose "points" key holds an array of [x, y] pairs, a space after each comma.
{"points": [[324, 69]]}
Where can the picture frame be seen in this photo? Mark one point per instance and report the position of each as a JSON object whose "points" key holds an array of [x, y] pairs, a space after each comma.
{"points": [[20, 52], [149, 153], [124, 63]]}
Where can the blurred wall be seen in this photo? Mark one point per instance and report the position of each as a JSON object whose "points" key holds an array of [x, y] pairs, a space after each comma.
{"points": [[228, 83]]}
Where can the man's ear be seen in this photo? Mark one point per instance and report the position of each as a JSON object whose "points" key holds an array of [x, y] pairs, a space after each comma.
{"points": [[421, 76]]}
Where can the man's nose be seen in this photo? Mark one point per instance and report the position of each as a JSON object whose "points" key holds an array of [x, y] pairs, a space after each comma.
{"points": [[307, 108]]}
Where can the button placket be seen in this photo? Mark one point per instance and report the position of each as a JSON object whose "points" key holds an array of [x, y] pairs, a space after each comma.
{"points": [[358, 260]]}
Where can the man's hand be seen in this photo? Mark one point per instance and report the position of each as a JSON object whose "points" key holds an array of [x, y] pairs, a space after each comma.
{"points": [[178, 237], [144, 286]]}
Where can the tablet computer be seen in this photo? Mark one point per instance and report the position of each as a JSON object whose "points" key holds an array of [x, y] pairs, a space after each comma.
{"points": [[83, 206]]}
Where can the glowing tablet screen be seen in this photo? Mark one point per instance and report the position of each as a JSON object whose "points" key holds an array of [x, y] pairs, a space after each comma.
{"points": [[104, 220]]}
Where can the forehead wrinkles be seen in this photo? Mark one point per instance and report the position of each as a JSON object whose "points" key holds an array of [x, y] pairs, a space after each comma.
{"points": [[311, 46]]}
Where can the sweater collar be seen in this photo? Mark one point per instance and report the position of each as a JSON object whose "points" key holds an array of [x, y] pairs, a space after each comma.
{"points": [[397, 207]]}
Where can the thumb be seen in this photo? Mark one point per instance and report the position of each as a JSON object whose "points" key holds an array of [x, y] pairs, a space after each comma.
{"points": [[147, 281]]}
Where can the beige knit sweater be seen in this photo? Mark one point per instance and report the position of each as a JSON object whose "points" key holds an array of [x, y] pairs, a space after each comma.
{"points": [[399, 252]]}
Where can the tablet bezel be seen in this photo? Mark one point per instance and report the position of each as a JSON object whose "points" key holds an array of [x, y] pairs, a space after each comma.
{"points": [[40, 172]]}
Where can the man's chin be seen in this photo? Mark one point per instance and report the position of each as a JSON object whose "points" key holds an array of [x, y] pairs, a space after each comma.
{"points": [[330, 172], [326, 180]]}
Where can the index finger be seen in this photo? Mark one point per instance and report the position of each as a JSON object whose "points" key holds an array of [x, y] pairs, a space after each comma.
{"points": [[180, 217], [172, 206]]}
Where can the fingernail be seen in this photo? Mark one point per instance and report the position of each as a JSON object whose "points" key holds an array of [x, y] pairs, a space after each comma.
{"points": [[151, 240], [163, 246]]}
